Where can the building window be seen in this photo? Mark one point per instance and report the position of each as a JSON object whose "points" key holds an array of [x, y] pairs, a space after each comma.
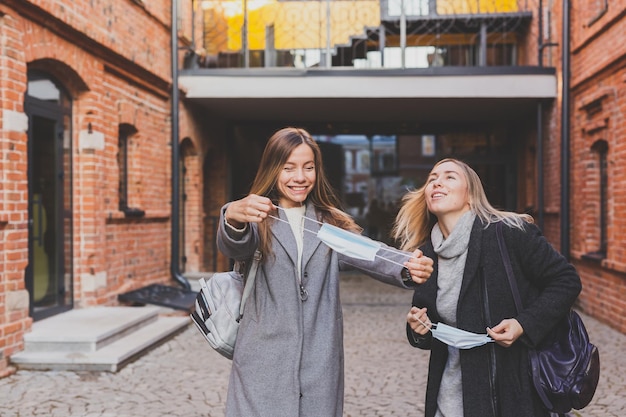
{"points": [[349, 164], [429, 146], [601, 148], [363, 161], [600, 151], [411, 7], [126, 132]]}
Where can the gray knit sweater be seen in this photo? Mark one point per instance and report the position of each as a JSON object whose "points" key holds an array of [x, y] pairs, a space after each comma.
{"points": [[452, 254]]}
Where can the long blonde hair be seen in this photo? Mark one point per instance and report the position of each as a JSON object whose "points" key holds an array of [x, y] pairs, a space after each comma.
{"points": [[414, 222], [277, 151]]}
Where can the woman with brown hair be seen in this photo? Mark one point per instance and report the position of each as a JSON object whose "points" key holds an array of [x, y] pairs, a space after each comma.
{"points": [[452, 221], [288, 360]]}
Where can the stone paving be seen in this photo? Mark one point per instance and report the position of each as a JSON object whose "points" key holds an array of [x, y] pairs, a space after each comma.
{"points": [[183, 377]]}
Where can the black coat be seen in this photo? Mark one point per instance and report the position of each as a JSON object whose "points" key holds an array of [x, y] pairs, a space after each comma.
{"points": [[548, 287]]}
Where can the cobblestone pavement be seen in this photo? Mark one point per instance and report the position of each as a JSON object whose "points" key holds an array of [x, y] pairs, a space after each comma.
{"points": [[385, 376]]}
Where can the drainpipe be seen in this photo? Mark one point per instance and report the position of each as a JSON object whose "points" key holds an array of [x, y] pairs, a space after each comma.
{"points": [[565, 133], [175, 217], [540, 185]]}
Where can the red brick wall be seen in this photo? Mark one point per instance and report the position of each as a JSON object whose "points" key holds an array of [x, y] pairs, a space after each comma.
{"points": [[598, 113], [14, 319], [603, 295], [97, 220], [114, 60], [138, 31]]}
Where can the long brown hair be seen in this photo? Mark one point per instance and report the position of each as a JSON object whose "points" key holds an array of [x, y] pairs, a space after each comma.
{"points": [[414, 222], [322, 196]]}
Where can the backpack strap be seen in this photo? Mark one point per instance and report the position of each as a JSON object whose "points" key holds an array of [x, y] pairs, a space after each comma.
{"points": [[249, 281]]}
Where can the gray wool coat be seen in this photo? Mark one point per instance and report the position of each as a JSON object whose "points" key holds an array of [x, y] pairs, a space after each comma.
{"points": [[289, 359], [548, 287]]}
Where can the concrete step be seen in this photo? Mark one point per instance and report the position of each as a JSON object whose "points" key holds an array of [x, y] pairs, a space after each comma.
{"points": [[96, 339]]}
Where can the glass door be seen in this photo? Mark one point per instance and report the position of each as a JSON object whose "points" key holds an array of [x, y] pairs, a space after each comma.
{"points": [[49, 273]]}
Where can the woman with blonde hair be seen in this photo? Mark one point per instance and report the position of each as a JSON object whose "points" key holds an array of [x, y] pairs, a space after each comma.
{"points": [[288, 360], [451, 221]]}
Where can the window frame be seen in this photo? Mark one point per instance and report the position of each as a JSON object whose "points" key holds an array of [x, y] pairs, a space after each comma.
{"points": [[125, 133]]}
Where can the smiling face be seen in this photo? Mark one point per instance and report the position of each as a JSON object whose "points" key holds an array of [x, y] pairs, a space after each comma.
{"points": [[446, 192], [297, 177]]}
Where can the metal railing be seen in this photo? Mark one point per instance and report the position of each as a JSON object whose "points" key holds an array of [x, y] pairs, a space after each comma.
{"points": [[365, 33]]}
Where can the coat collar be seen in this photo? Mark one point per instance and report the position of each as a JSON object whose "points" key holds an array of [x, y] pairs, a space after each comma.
{"points": [[284, 236], [473, 257]]}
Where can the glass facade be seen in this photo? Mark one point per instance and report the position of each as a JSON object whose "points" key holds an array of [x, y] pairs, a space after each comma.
{"points": [[360, 33]]}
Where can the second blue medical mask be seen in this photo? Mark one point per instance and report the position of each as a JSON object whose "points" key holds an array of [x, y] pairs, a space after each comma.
{"points": [[348, 243], [460, 339]]}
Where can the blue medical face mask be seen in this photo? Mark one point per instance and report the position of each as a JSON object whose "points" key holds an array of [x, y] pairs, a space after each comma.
{"points": [[460, 339], [348, 243]]}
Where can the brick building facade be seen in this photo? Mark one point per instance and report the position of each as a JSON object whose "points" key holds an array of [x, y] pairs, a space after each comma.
{"points": [[75, 78], [598, 157], [88, 86], [597, 137]]}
